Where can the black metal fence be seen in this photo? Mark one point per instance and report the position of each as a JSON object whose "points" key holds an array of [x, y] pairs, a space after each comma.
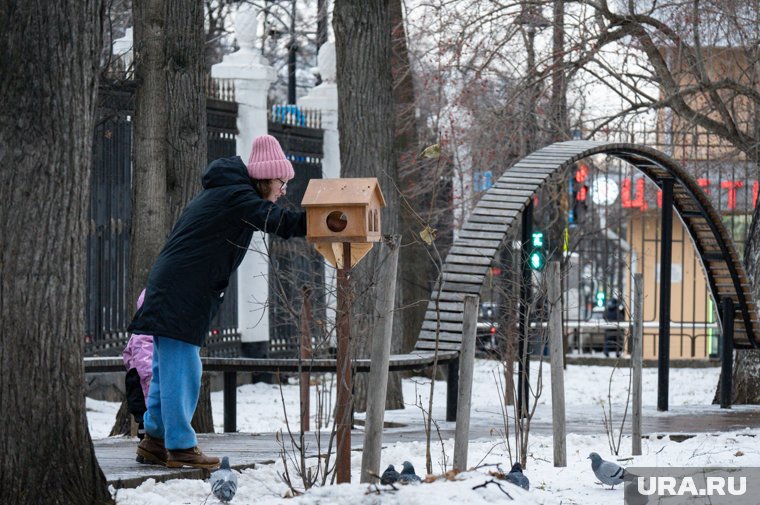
{"points": [[108, 311], [294, 263]]}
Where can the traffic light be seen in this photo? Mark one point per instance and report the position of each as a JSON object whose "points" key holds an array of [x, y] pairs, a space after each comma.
{"points": [[600, 296], [536, 258]]}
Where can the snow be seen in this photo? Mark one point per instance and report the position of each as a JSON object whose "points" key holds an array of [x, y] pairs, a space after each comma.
{"points": [[260, 409]]}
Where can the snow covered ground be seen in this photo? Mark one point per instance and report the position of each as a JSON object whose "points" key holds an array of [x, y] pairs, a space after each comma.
{"points": [[260, 409]]}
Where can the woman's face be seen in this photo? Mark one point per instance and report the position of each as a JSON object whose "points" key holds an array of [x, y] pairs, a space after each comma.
{"points": [[277, 188]]}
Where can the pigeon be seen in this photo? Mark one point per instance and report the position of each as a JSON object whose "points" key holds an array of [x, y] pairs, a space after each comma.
{"points": [[609, 473], [407, 475], [389, 476], [224, 482], [516, 477]]}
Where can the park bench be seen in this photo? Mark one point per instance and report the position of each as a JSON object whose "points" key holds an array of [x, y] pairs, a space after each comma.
{"points": [[416, 360]]}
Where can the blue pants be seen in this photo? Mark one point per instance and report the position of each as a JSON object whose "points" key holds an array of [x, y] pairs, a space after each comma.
{"points": [[173, 393]]}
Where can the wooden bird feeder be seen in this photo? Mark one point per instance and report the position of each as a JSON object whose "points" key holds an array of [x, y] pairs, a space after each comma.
{"points": [[356, 204]]}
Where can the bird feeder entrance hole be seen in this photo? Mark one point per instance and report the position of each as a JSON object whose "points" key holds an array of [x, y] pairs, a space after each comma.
{"points": [[342, 211], [336, 221]]}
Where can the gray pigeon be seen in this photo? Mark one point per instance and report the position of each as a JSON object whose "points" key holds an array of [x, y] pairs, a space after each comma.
{"points": [[389, 476], [224, 482], [516, 477], [407, 475], [607, 472]]}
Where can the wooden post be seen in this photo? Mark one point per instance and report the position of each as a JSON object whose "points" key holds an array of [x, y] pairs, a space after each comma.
{"points": [[452, 388], [230, 402], [466, 366], [306, 355], [637, 353], [380, 357], [343, 375], [557, 353]]}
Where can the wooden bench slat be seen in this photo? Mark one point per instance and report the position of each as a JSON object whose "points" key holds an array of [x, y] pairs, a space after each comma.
{"points": [[442, 346], [458, 257], [465, 268], [452, 326]]}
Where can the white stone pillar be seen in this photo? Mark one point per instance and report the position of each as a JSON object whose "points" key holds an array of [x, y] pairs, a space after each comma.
{"points": [[325, 98], [252, 75]]}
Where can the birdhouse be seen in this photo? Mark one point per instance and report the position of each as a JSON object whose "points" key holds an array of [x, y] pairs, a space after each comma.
{"points": [[340, 211]]}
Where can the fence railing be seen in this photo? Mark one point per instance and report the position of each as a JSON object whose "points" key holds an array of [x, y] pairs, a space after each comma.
{"points": [[108, 311], [294, 263]]}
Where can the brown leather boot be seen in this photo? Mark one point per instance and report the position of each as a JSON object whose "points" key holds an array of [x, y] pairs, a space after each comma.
{"points": [[151, 451], [192, 457]]}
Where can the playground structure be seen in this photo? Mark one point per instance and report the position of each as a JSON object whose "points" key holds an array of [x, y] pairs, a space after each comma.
{"points": [[465, 268]]}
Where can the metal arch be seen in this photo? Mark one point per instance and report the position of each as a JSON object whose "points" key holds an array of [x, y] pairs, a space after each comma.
{"points": [[518, 185]]}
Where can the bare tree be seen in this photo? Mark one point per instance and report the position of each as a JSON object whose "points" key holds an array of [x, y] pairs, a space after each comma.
{"points": [[49, 57], [365, 122], [700, 58], [170, 149]]}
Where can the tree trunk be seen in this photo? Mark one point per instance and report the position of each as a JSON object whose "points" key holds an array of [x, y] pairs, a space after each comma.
{"points": [[171, 141], [416, 268], [365, 123], [49, 63], [150, 216]]}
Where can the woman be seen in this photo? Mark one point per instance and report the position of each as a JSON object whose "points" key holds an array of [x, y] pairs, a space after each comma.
{"points": [[186, 286]]}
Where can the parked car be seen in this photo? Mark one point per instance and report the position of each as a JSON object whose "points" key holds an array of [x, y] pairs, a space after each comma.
{"points": [[589, 336], [487, 328]]}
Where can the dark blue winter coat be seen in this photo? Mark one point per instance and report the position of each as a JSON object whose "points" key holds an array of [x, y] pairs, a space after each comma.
{"points": [[184, 288]]}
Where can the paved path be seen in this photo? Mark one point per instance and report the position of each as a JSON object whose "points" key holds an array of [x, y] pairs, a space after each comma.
{"points": [[117, 455]]}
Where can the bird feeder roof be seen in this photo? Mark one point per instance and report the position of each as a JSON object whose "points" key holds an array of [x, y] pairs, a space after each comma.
{"points": [[340, 192]]}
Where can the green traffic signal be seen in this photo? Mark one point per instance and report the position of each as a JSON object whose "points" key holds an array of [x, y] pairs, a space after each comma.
{"points": [[537, 239], [536, 260], [600, 296]]}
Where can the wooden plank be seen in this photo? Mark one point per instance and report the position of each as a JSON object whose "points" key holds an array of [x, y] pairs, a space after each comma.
{"points": [[463, 278], [480, 270], [557, 356], [481, 235], [442, 346], [453, 327], [494, 213], [495, 202], [466, 368], [462, 255], [444, 306], [443, 337], [449, 317], [513, 204], [514, 192], [514, 186], [468, 252], [471, 242], [449, 296], [492, 227], [637, 362], [459, 287]]}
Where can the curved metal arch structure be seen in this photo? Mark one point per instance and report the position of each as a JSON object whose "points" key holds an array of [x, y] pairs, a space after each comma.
{"points": [[498, 211]]}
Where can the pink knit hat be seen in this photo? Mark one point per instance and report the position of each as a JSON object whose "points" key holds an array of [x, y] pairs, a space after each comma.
{"points": [[267, 161]]}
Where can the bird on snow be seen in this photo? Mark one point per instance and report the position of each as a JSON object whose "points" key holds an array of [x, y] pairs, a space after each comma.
{"points": [[607, 472], [407, 475], [516, 477], [224, 482], [389, 476]]}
